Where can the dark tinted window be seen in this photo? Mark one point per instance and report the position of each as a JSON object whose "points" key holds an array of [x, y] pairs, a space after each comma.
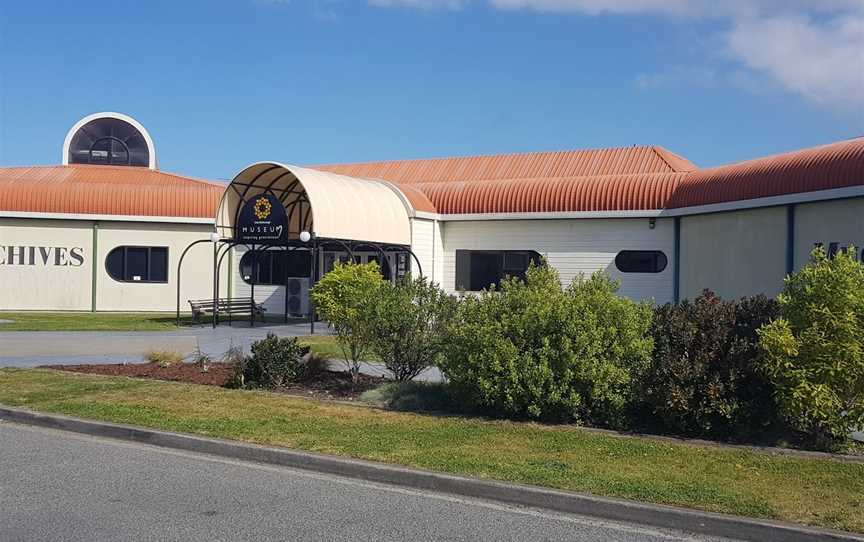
{"points": [[138, 264], [109, 141], [640, 261], [272, 267], [480, 269]]}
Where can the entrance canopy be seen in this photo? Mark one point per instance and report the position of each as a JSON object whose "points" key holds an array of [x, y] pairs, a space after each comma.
{"points": [[327, 205]]}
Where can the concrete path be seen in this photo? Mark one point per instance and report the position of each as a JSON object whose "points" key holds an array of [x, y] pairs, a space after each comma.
{"points": [[32, 348], [61, 486]]}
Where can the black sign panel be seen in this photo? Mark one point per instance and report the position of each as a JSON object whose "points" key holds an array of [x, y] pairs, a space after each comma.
{"points": [[262, 220]]}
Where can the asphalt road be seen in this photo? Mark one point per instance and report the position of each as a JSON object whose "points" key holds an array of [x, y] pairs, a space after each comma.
{"points": [[63, 486]]}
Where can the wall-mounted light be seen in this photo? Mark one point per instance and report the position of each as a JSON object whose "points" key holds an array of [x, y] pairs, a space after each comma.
{"points": [[305, 236], [652, 222]]}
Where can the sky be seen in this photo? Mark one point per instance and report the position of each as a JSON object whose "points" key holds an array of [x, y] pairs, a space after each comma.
{"points": [[220, 84]]}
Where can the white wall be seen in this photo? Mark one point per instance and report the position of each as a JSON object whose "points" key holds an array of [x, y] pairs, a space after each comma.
{"points": [[197, 279], [49, 278], [572, 246], [734, 253], [840, 221]]}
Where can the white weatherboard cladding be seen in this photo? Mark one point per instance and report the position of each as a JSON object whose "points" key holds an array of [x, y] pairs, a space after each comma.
{"points": [[423, 246], [44, 285], [197, 279], [572, 246]]}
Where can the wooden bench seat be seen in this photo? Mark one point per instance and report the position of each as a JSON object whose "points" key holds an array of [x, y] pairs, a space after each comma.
{"points": [[229, 306]]}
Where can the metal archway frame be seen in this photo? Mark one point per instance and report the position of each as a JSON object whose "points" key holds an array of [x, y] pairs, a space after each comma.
{"points": [[180, 267]]}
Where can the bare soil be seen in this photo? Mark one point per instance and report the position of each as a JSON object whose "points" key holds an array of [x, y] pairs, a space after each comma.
{"points": [[321, 385]]}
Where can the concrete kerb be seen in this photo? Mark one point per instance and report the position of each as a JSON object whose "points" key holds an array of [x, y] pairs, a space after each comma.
{"points": [[561, 501]]}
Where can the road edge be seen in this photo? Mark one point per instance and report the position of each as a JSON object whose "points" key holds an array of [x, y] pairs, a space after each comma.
{"points": [[653, 515]]}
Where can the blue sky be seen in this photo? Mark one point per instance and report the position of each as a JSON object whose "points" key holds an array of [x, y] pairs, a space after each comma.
{"points": [[223, 83]]}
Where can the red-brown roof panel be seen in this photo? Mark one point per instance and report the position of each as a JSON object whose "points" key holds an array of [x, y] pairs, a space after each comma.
{"points": [[562, 194], [837, 165], [107, 190], [589, 162]]}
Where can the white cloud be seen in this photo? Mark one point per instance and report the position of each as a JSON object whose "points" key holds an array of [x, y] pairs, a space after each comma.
{"points": [[812, 47], [823, 62]]}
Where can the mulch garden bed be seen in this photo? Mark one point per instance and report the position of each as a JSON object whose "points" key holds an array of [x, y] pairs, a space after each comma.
{"points": [[323, 385]]}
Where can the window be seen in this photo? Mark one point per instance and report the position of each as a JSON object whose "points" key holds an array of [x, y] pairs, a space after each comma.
{"points": [[109, 141], [479, 269], [640, 261], [138, 264], [272, 267]]}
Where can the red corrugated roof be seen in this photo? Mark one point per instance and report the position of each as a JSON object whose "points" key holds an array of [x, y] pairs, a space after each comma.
{"points": [[632, 178], [560, 194], [108, 190], [837, 165], [560, 164]]}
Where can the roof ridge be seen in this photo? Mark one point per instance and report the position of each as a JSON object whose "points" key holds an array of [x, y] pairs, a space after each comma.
{"points": [[472, 156], [522, 179], [848, 141]]}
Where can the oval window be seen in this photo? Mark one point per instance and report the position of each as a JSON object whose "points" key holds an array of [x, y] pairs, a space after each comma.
{"points": [[138, 264], [641, 261]]}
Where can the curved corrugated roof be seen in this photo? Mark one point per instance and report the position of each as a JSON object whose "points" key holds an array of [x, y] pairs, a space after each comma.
{"points": [[562, 194], [106, 190], [836, 165], [336, 206]]}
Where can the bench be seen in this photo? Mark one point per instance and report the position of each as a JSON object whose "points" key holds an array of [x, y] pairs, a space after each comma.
{"points": [[229, 306]]}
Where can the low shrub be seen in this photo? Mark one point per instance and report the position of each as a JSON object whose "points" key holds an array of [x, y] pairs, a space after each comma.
{"points": [[814, 353], [275, 362], [165, 358], [534, 349], [408, 320], [704, 379], [201, 360]]}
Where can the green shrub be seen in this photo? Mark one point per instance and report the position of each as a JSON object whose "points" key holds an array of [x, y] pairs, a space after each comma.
{"points": [[704, 378], [408, 324], [814, 353], [537, 350], [343, 297], [275, 362]]}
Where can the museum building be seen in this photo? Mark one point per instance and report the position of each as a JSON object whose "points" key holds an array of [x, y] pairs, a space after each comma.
{"points": [[106, 230]]}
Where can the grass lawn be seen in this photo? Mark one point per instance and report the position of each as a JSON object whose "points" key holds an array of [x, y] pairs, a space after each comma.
{"points": [[103, 321], [326, 346], [813, 491], [90, 321]]}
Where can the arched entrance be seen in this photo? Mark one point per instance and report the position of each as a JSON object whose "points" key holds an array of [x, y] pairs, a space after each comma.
{"points": [[277, 211]]}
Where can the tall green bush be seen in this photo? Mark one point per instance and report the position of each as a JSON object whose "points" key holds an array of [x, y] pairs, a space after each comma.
{"points": [[344, 297], [536, 350], [704, 379], [814, 353], [408, 325]]}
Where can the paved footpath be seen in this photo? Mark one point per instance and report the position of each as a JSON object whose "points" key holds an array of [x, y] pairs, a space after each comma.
{"points": [[31, 348], [34, 348], [63, 486]]}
